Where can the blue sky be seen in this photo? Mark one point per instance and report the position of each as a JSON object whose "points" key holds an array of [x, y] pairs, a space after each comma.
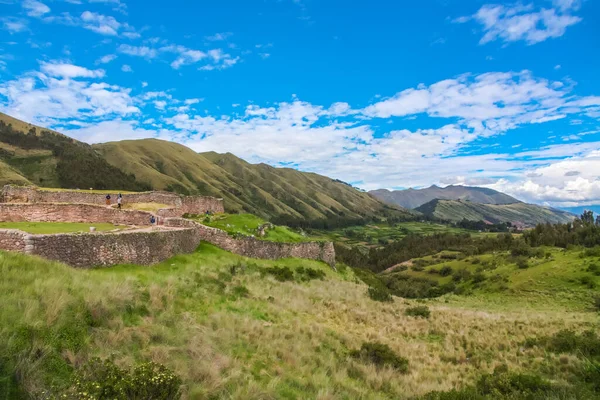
{"points": [[379, 94]]}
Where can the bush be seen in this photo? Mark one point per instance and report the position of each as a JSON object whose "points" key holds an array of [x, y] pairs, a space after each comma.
{"points": [[594, 269], [381, 355], [308, 274], [522, 263], [379, 294], [103, 379], [461, 275], [446, 270], [418, 312], [417, 267], [282, 274], [588, 281], [567, 341], [240, 291], [597, 303], [478, 277]]}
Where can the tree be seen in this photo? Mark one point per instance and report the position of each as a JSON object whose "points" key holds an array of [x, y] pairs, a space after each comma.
{"points": [[587, 217]]}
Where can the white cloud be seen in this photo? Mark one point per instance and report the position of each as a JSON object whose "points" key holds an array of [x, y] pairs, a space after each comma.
{"points": [[126, 68], [65, 70], [192, 101], [102, 24], [52, 95], [106, 59], [131, 35], [105, 131], [139, 51], [144, 84], [35, 8], [557, 67], [219, 36], [14, 25], [511, 23]]}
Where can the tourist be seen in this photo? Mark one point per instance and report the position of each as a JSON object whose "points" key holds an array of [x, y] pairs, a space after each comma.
{"points": [[152, 220], [119, 201], [108, 199]]}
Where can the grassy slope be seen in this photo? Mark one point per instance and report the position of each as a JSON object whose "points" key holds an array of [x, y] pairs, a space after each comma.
{"points": [[546, 284], [247, 224], [257, 189], [49, 158], [56, 227], [374, 235], [284, 340], [529, 214]]}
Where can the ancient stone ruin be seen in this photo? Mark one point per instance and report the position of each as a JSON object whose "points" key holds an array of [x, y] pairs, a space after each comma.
{"points": [[142, 242]]}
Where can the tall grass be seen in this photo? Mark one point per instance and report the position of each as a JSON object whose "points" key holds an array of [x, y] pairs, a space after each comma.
{"points": [[277, 339]]}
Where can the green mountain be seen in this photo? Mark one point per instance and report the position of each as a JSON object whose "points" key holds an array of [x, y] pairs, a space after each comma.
{"points": [[285, 194], [34, 155], [413, 198], [523, 213]]}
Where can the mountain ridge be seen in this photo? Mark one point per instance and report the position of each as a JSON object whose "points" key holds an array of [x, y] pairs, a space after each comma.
{"points": [[519, 213], [413, 198]]}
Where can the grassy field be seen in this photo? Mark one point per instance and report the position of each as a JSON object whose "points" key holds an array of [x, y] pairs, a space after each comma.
{"points": [[247, 224], [558, 277], [56, 227], [229, 329], [380, 234]]}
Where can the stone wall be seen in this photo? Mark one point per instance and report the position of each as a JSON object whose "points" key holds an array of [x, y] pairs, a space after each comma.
{"points": [[99, 249], [255, 248], [180, 204], [12, 240], [44, 212]]}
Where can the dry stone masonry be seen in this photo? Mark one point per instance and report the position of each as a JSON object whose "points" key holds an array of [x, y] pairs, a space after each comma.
{"points": [[179, 205], [145, 246]]}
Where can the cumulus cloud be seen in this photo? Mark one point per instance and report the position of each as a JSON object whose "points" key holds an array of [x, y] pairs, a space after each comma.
{"points": [[106, 59], [65, 70], [64, 92], [511, 23], [138, 51], [126, 68], [35, 8], [14, 25], [337, 139]]}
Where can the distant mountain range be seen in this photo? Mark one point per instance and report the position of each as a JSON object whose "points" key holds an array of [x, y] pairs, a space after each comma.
{"points": [[455, 203], [413, 198], [34, 155], [517, 213]]}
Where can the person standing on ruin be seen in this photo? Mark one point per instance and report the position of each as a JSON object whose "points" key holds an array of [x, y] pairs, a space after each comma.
{"points": [[108, 199], [119, 201]]}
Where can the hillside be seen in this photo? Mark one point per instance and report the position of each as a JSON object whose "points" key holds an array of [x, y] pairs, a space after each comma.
{"points": [[235, 328], [413, 198], [283, 193], [527, 214], [33, 155]]}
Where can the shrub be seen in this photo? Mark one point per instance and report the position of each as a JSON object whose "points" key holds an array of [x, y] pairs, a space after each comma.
{"points": [[379, 294], [240, 291], [476, 261], [588, 281], [417, 267], [461, 275], [594, 269], [418, 312], [412, 287], [567, 341], [478, 277], [103, 379], [446, 270], [308, 274], [522, 263], [449, 256], [597, 303], [282, 274], [381, 355]]}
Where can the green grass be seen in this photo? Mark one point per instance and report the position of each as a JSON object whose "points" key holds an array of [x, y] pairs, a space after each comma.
{"points": [[231, 331], [380, 234], [552, 281], [247, 224], [56, 227]]}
